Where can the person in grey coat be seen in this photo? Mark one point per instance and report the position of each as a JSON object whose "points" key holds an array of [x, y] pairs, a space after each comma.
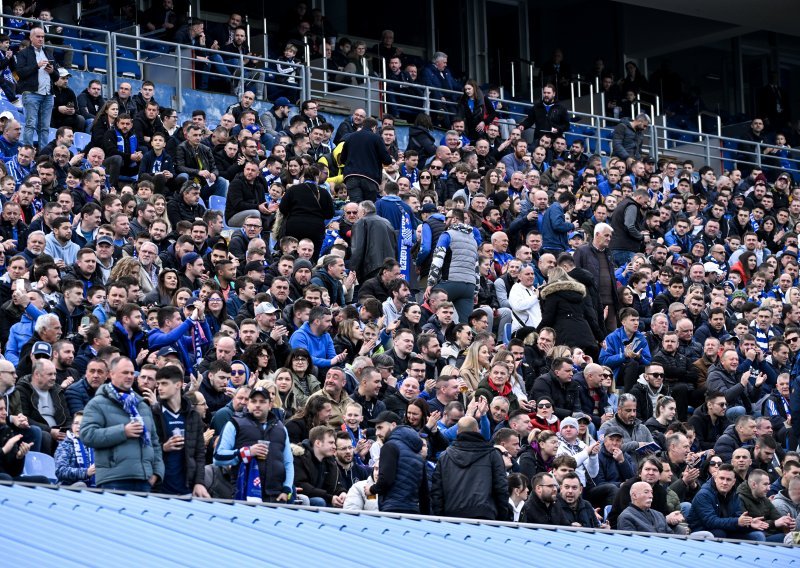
{"points": [[628, 136], [639, 516], [373, 241], [118, 425]]}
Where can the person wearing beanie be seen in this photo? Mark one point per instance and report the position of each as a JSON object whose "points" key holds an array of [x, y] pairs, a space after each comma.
{"points": [[192, 268], [571, 445], [301, 278]]}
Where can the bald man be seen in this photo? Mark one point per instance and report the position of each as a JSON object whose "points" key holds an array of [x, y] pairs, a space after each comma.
{"points": [[593, 397], [639, 516], [470, 478]]}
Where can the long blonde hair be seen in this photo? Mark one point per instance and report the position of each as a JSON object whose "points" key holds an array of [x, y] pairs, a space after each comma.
{"points": [[472, 371]]}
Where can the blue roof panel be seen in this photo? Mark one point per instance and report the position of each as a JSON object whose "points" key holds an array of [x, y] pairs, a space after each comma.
{"points": [[84, 525]]}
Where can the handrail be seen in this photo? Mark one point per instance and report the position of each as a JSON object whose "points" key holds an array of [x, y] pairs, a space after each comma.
{"points": [[711, 114], [146, 51]]}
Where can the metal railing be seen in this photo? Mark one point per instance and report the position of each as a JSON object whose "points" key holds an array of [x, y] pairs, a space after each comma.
{"points": [[378, 94]]}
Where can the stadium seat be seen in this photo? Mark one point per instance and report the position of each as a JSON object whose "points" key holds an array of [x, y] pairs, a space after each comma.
{"points": [[78, 52], [217, 202], [37, 463], [97, 59], [81, 140], [507, 333], [127, 66], [17, 112]]}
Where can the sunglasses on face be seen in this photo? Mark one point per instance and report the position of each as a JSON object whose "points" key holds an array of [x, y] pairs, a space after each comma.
{"points": [[545, 405], [239, 372], [657, 375]]}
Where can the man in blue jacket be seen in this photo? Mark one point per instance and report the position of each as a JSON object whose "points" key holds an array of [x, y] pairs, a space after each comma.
{"points": [[179, 334], [314, 337], [626, 350], [716, 508], [555, 227]]}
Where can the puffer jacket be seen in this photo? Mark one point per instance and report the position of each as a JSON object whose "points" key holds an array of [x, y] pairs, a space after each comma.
{"points": [[470, 481], [728, 443], [565, 397], [711, 510], [402, 478], [118, 457], [706, 432]]}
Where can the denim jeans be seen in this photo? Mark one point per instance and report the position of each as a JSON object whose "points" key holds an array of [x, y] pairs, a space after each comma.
{"points": [[317, 502], [735, 412], [38, 109]]}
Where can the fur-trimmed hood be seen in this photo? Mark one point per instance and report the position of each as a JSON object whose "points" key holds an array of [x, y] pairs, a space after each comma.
{"points": [[562, 286]]}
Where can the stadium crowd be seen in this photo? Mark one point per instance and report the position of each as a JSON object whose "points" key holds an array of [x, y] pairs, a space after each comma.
{"points": [[480, 326]]}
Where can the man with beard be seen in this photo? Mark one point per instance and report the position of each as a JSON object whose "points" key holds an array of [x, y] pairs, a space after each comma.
{"points": [[545, 117], [128, 336], [541, 505]]}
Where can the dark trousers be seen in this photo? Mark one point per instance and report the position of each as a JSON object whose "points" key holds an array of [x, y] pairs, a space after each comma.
{"points": [[361, 189], [628, 375]]}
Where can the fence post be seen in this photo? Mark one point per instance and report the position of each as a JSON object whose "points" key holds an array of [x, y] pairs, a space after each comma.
{"points": [[708, 149], [664, 120], [513, 84], [179, 90], [758, 155], [700, 127], [369, 95], [266, 42], [530, 79], [654, 141], [427, 102], [571, 95], [112, 59]]}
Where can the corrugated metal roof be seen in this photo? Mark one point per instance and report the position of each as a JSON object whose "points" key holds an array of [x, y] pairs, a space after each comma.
{"points": [[87, 528]]}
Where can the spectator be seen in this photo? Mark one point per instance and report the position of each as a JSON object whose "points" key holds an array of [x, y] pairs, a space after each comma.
{"points": [[402, 485], [197, 161], [364, 155], [119, 422], [740, 433], [42, 401], [639, 516], [541, 506], [74, 461], [37, 72], [316, 472], [257, 438], [548, 116], [628, 137]]}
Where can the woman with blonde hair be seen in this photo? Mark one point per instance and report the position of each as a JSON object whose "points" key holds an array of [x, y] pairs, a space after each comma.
{"points": [[128, 266], [272, 389], [160, 204], [476, 365]]}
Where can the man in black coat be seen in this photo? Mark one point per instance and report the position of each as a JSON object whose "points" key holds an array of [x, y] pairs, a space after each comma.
{"points": [[558, 386], [364, 155], [547, 116], [470, 479], [680, 374], [246, 196], [315, 469], [541, 506]]}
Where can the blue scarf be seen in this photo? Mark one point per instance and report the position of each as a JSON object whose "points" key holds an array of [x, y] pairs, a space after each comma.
{"points": [[17, 171], [129, 402], [121, 143], [198, 340], [405, 238], [248, 482], [84, 456]]}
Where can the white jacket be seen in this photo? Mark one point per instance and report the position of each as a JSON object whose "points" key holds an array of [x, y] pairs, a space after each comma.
{"points": [[356, 499], [524, 303]]}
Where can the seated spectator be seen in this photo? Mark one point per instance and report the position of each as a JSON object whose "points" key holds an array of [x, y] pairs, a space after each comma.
{"points": [[316, 472], [541, 506], [639, 516], [357, 499], [739, 434], [578, 511], [74, 461], [753, 496]]}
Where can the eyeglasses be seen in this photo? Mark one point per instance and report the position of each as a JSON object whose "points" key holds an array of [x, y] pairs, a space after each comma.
{"points": [[239, 372], [436, 167], [608, 375], [715, 463], [252, 226], [791, 339], [215, 300], [657, 375], [204, 403], [424, 177], [545, 405]]}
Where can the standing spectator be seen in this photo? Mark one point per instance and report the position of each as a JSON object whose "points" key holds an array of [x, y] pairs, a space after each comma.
{"points": [[305, 207], [119, 426], [256, 444], [402, 485], [181, 428], [364, 155], [37, 72], [475, 109], [373, 240], [470, 479], [456, 256], [548, 116], [628, 137], [555, 227], [437, 75], [197, 161]]}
